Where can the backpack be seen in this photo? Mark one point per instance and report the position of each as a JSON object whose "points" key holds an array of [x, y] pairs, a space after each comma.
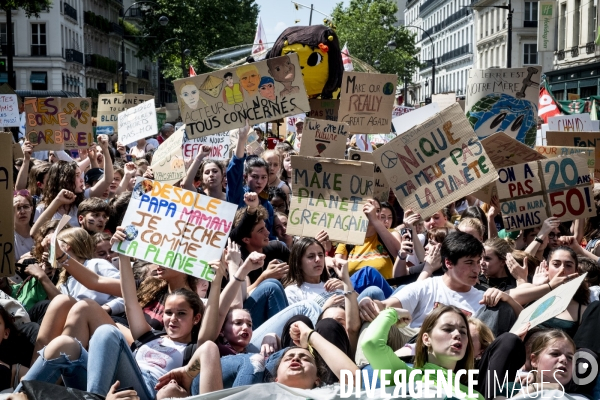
{"points": [[153, 335]]}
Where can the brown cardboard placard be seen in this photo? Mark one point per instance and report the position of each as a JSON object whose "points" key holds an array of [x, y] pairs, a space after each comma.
{"points": [[531, 192], [7, 254], [55, 123], [109, 107], [322, 138], [577, 139], [565, 151], [381, 189], [328, 194], [17, 151], [327, 109], [367, 101], [504, 151], [260, 92], [435, 163], [167, 162]]}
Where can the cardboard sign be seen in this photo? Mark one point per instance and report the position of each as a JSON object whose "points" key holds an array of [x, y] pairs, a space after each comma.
{"points": [[17, 151], [167, 162], [6, 89], [260, 92], [404, 122], [138, 122], [9, 110], [366, 101], [55, 123], [400, 110], [504, 99], [444, 100], [109, 107], [326, 109], [504, 151], [381, 189], [435, 163], [7, 253], [322, 138], [551, 305], [564, 151], [220, 145], [570, 123], [329, 194], [577, 139], [53, 243], [176, 228], [531, 192]]}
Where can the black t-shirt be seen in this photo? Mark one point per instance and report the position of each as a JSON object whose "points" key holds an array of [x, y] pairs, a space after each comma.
{"points": [[503, 284], [275, 250]]}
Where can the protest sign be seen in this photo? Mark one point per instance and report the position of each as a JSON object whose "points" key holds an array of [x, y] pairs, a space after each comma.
{"points": [[6, 89], [176, 228], [55, 123], [400, 110], [444, 100], [577, 139], [504, 99], [220, 145], [565, 151], [322, 138], [435, 163], [260, 92], [53, 243], [109, 107], [381, 189], [9, 110], [570, 123], [549, 306], [557, 187], [137, 122], [504, 151], [7, 254], [324, 109], [328, 195], [167, 162], [17, 151], [255, 148], [367, 101], [405, 122]]}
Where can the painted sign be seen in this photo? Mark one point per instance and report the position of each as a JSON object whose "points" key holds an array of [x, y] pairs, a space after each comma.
{"points": [[504, 100], [220, 145], [435, 163], [367, 101], [138, 122], [7, 254], [322, 138], [328, 195], [570, 123], [327, 109], [260, 92], [176, 228], [110, 105], [546, 26], [577, 139], [9, 110], [401, 110], [167, 162], [531, 192], [55, 123], [381, 189], [564, 151]]}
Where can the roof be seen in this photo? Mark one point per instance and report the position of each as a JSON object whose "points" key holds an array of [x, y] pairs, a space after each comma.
{"points": [[46, 93]]}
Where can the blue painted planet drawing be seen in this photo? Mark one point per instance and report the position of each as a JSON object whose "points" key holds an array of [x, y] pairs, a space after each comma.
{"points": [[499, 112], [131, 232], [542, 308]]}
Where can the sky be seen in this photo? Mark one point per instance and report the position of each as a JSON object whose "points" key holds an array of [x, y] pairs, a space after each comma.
{"points": [[278, 15]]}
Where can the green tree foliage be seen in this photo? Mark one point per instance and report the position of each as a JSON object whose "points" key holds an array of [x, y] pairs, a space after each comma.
{"points": [[202, 26], [32, 8], [367, 26]]}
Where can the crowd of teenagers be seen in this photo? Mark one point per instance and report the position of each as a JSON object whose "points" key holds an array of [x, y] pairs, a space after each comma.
{"points": [[439, 293]]}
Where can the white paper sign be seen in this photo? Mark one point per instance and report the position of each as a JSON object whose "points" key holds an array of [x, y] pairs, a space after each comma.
{"points": [[220, 144], [408, 121], [138, 122], [570, 123], [9, 110]]}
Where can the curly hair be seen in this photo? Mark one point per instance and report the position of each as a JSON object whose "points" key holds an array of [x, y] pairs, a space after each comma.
{"points": [[36, 174], [50, 226], [153, 288], [62, 175]]}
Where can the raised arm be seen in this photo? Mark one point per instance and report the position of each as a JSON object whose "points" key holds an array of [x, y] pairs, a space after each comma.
{"points": [[21, 183], [130, 170], [392, 244], [209, 328], [190, 174], [353, 322], [100, 187], [411, 222], [64, 197], [547, 227], [135, 314], [240, 149], [491, 214]]}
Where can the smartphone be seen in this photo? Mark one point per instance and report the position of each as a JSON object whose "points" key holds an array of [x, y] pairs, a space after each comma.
{"points": [[124, 389], [404, 231]]}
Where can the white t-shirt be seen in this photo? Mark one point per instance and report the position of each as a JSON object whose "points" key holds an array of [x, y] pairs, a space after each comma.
{"points": [[160, 356], [306, 291], [420, 298], [22, 246], [103, 268], [74, 222], [594, 293]]}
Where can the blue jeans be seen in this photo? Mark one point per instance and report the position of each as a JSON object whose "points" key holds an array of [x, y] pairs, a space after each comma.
{"points": [[275, 324], [265, 301], [237, 370], [369, 276]]}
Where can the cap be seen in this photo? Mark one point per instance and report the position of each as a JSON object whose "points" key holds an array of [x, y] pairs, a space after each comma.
{"points": [[93, 175], [503, 234]]}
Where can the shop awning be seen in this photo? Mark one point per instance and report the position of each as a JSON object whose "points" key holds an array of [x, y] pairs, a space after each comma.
{"points": [[37, 77], [3, 77]]}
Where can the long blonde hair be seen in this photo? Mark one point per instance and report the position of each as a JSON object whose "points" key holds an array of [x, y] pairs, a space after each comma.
{"points": [[81, 245]]}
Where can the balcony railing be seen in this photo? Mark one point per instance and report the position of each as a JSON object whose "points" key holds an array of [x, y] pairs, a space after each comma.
{"points": [[97, 21], [100, 62], [590, 48], [574, 51], [116, 29], [72, 55], [462, 50], [428, 3], [530, 24], [560, 55], [70, 11], [143, 74], [447, 22]]}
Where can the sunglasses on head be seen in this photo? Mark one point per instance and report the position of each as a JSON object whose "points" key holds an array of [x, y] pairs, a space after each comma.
{"points": [[23, 192]]}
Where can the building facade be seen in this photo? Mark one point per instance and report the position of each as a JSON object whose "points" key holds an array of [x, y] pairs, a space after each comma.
{"points": [[447, 41]]}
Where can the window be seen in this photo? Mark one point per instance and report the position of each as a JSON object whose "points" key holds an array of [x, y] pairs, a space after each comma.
{"points": [[39, 80], [4, 37], [531, 14], [38, 39], [530, 54]]}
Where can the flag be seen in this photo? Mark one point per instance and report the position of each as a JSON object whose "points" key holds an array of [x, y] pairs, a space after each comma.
{"points": [[346, 59], [192, 71], [547, 106], [260, 39]]}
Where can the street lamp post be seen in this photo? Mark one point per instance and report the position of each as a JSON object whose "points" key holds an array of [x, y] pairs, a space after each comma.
{"points": [[184, 53], [432, 56], [509, 18], [162, 20]]}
